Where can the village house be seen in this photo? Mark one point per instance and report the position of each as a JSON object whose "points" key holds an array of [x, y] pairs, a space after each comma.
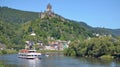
{"points": [[57, 45]]}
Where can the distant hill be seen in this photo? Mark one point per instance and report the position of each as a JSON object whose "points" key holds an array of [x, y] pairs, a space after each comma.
{"points": [[16, 25], [114, 31], [16, 16]]}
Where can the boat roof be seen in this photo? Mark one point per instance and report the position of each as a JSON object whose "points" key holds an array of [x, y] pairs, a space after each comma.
{"points": [[31, 50]]}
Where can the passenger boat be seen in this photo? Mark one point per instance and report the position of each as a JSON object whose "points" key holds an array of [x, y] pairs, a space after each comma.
{"points": [[29, 54]]}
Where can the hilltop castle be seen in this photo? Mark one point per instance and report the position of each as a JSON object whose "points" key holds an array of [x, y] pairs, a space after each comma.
{"points": [[48, 12]]}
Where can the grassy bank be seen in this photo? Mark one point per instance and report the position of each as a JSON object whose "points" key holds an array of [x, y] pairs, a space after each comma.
{"points": [[7, 51], [107, 57], [1, 65], [44, 51]]}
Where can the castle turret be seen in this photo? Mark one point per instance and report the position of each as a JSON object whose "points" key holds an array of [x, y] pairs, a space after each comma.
{"points": [[49, 8]]}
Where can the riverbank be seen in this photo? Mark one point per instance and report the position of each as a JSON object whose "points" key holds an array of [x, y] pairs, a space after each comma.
{"points": [[1, 65], [7, 51], [44, 51]]}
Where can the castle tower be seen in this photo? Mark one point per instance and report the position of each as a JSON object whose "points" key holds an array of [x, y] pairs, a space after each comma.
{"points": [[49, 8], [48, 12]]}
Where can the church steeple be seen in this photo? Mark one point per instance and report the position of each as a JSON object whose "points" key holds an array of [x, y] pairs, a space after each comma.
{"points": [[49, 8]]}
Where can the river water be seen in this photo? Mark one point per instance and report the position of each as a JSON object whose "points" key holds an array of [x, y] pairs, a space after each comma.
{"points": [[55, 60]]}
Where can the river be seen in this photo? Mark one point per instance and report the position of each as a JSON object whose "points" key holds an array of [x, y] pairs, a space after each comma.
{"points": [[55, 60]]}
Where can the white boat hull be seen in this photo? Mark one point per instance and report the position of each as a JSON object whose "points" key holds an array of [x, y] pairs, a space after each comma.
{"points": [[31, 55]]}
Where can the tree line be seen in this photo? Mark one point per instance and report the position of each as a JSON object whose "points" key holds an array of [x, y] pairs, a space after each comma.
{"points": [[95, 47]]}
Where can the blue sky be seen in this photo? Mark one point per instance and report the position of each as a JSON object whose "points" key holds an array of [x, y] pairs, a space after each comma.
{"points": [[96, 13]]}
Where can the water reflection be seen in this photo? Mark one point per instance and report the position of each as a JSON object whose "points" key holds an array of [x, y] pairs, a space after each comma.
{"points": [[31, 62], [93, 62]]}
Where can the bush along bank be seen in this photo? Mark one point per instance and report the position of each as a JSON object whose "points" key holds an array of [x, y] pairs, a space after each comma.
{"points": [[7, 51], [98, 47]]}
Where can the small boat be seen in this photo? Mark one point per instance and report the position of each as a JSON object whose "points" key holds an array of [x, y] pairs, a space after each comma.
{"points": [[47, 55], [29, 54]]}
